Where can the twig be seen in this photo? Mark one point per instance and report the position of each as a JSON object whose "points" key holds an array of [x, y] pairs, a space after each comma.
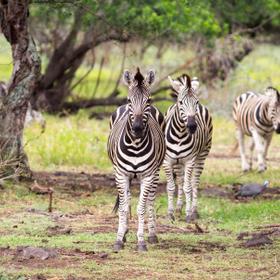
{"points": [[50, 200], [98, 77], [84, 76]]}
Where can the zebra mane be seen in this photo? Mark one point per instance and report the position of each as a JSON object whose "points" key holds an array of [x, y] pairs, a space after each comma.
{"points": [[271, 91], [139, 78], [185, 80]]}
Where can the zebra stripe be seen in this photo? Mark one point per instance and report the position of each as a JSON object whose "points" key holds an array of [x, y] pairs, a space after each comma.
{"points": [[188, 137], [136, 148], [257, 116]]}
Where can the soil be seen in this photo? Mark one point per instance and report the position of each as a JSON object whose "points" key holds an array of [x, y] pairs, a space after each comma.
{"points": [[77, 182]]}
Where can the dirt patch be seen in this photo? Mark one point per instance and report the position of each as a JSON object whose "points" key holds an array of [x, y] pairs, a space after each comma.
{"points": [[57, 230], [76, 182], [61, 258], [259, 238], [201, 247]]}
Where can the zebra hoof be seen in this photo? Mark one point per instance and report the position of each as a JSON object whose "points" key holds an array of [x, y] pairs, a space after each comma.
{"points": [[188, 219], [194, 215], [153, 239], [179, 210], [118, 246], [246, 170], [171, 217], [124, 237], [141, 247], [261, 169]]}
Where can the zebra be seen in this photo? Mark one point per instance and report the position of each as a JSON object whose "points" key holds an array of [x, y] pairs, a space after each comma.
{"points": [[257, 116], [188, 136], [136, 147]]}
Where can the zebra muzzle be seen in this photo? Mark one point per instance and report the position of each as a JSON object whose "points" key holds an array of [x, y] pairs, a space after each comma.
{"points": [[191, 124], [277, 129], [138, 128]]}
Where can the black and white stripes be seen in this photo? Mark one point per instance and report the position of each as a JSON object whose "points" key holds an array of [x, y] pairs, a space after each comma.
{"points": [[136, 148], [188, 137], [257, 116]]}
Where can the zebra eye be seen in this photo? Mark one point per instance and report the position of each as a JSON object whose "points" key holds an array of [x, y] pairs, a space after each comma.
{"points": [[149, 100], [128, 100], [181, 102]]}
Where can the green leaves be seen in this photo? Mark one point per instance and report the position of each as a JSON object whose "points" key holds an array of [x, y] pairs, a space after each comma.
{"points": [[140, 19]]}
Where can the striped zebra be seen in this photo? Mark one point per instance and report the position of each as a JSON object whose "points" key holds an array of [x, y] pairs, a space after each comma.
{"points": [[188, 136], [136, 148], [257, 116]]}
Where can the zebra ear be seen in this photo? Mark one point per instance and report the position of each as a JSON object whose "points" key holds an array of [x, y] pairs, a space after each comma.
{"points": [[195, 83], [127, 78], [175, 84], [150, 77]]}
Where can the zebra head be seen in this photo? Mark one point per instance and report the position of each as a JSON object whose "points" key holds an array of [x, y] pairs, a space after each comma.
{"points": [[274, 107], [187, 100], [138, 100]]}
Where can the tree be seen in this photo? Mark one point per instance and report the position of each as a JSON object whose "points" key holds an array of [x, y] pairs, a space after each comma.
{"points": [[14, 96], [88, 24]]}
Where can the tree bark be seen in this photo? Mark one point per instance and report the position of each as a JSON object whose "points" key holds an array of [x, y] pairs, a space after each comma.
{"points": [[14, 96]]}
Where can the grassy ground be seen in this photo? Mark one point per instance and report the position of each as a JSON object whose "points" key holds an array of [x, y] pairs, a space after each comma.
{"points": [[86, 250]]}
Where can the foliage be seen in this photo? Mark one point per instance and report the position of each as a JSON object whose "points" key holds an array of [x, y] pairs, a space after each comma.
{"points": [[239, 14], [138, 19]]}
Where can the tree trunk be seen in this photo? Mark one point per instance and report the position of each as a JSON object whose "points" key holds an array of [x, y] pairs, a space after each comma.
{"points": [[14, 96]]}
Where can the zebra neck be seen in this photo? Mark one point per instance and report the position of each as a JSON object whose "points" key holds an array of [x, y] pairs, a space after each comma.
{"points": [[262, 114]]}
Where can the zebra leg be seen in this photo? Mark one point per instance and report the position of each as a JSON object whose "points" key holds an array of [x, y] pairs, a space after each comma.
{"points": [[195, 183], [146, 187], [251, 147], [179, 183], [170, 187], [267, 143], [240, 139], [123, 189], [151, 213], [188, 190], [260, 147]]}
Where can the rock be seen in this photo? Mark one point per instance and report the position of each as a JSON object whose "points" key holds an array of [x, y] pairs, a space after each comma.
{"points": [[36, 253], [258, 240]]}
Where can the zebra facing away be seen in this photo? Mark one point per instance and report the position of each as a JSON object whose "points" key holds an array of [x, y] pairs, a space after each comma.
{"points": [[257, 116], [188, 136], [136, 148]]}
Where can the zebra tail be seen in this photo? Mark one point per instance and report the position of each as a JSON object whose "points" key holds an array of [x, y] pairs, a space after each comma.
{"points": [[117, 203]]}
